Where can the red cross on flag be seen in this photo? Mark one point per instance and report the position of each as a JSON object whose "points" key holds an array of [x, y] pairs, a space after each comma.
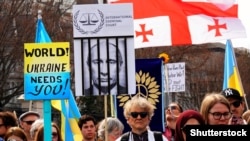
{"points": [[181, 22], [147, 35]]}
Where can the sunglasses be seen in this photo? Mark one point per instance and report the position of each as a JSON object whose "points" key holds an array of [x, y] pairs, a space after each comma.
{"points": [[29, 122], [54, 134], [236, 104], [142, 114]]}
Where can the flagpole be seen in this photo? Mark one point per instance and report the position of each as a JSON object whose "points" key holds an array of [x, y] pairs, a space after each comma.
{"points": [[231, 70], [30, 105], [167, 85], [165, 59], [112, 106], [106, 115], [14, 112], [243, 92], [244, 96], [238, 74], [46, 103]]}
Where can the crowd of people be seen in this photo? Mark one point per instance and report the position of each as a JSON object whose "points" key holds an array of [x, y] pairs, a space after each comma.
{"points": [[225, 108]]}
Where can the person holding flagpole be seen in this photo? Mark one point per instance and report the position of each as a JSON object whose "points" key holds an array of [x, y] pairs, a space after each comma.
{"points": [[232, 86]]}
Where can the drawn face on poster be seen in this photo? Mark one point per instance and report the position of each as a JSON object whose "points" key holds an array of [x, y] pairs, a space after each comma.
{"points": [[104, 72]]}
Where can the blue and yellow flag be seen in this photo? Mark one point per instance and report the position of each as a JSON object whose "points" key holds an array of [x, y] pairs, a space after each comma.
{"points": [[149, 84], [69, 118], [231, 73], [68, 108], [41, 33]]}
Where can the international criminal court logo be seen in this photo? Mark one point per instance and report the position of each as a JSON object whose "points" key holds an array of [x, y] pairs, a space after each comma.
{"points": [[88, 23]]}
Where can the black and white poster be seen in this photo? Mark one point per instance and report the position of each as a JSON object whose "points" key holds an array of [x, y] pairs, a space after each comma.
{"points": [[104, 57]]}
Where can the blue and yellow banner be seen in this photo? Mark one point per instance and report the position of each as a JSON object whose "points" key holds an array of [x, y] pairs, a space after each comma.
{"points": [[69, 118], [149, 84], [68, 108], [231, 73]]}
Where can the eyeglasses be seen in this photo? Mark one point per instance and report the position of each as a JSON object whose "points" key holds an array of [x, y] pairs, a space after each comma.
{"points": [[142, 114], [217, 115], [29, 122], [236, 104], [54, 134]]}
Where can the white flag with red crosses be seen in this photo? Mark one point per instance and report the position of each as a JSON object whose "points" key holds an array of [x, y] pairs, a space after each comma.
{"points": [[181, 22], [148, 31]]}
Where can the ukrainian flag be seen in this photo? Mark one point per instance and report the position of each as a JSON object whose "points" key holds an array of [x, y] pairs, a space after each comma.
{"points": [[231, 73], [68, 108], [69, 118], [41, 33]]}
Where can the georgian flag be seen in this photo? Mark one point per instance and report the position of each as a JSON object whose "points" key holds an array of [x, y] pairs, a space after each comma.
{"points": [[180, 22], [212, 29], [148, 31]]}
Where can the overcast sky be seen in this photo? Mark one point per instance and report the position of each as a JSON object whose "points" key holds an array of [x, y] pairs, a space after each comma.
{"points": [[244, 15]]}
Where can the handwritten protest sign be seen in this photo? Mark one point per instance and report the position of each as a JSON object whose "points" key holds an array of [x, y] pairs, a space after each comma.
{"points": [[46, 71], [176, 77]]}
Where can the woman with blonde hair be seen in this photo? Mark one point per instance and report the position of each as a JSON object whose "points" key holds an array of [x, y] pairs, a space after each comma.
{"points": [[215, 109]]}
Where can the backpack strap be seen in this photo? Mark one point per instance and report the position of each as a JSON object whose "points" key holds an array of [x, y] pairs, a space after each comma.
{"points": [[158, 136], [125, 136]]}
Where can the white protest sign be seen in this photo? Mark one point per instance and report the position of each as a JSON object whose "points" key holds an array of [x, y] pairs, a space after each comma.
{"points": [[102, 20], [176, 77]]}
